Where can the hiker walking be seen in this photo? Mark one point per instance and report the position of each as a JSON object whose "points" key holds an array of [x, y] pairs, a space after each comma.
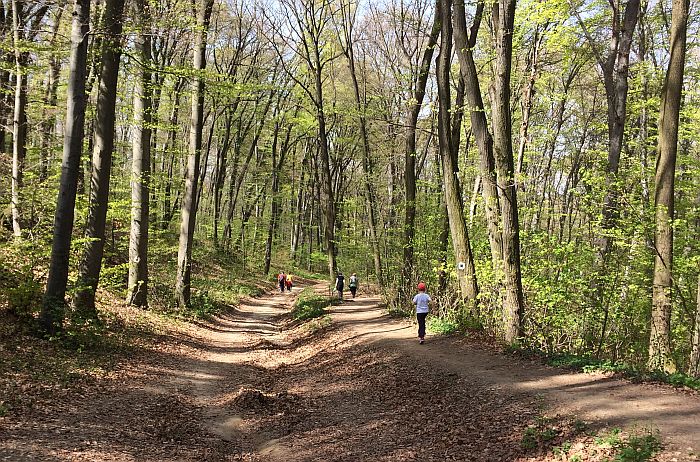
{"points": [[282, 280], [289, 282], [422, 301], [353, 284], [340, 285]]}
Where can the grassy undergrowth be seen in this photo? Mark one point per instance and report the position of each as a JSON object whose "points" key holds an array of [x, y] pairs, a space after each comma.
{"points": [[310, 305], [589, 365], [573, 440]]}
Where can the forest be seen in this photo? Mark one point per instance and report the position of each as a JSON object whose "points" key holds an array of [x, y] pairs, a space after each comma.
{"points": [[535, 162]]}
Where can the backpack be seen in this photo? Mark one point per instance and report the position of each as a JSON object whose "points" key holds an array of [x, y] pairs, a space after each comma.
{"points": [[353, 282]]}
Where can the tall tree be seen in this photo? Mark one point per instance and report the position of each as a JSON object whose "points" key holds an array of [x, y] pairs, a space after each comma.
{"points": [[694, 363], [503, 19], [461, 245], [50, 99], [140, 163], [20, 20], [189, 199], [660, 335], [307, 22], [52, 312], [615, 70], [414, 108], [465, 42], [367, 161], [91, 260]]}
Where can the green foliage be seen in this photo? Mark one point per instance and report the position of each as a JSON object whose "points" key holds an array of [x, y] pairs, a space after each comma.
{"points": [[588, 364], [202, 305], [309, 305], [635, 448], [542, 432], [24, 300], [638, 448], [442, 326]]}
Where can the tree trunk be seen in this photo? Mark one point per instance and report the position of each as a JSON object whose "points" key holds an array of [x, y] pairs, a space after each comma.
{"points": [[19, 121], [170, 147], [526, 102], [466, 273], [464, 44], [367, 163], [660, 337], [51, 317], [48, 125], [140, 165], [410, 156], [220, 178], [189, 200], [91, 259], [503, 20], [275, 206], [327, 196], [694, 366]]}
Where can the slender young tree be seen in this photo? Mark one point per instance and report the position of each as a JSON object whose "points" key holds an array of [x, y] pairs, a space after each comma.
{"points": [[91, 259], [660, 357], [50, 99], [140, 163], [52, 312], [189, 199], [20, 18]]}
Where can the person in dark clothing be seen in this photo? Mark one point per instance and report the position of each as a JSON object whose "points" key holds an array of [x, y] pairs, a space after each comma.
{"points": [[340, 285], [282, 280]]}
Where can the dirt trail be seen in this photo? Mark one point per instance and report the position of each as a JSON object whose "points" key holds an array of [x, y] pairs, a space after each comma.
{"points": [[253, 339], [250, 386], [596, 398]]}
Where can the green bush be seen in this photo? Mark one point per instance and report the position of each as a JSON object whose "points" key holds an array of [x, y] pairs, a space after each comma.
{"points": [[202, 305], [443, 326], [310, 305], [24, 300]]}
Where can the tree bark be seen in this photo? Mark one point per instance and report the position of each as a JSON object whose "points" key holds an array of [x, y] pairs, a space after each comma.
{"points": [[189, 200], [48, 125], [91, 259], [19, 122], [140, 165], [694, 365], [170, 147], [466, 273], [503, 16], [52, 312], [464, 44], [660, 336]]}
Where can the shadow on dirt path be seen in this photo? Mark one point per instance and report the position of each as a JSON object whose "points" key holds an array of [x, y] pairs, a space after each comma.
{"points": [[597, 397], [252, 385]]}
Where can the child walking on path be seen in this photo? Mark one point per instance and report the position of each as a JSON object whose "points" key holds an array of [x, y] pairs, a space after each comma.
{"points": [[422, 301]]}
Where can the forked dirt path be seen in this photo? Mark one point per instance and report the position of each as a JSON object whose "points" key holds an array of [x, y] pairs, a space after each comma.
{"points": [[252, 386], [364, 389]]}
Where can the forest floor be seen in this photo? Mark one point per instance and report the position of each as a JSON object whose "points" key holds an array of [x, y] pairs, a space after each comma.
{"points": [[353, 386]]}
